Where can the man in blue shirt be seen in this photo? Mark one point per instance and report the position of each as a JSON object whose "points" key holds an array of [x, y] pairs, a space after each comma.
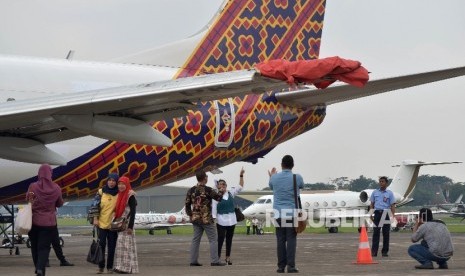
{"points": [[284, 206], [382, 201]]}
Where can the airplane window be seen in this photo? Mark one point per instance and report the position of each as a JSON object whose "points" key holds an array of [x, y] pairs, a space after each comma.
{"points": [[334, 203], [260, 201], [307, 204], [268, 200], [325, 203], [343, 203], [316, 204]]}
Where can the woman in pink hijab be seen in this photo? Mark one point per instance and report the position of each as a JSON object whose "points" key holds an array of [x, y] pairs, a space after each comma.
{"points": [[45, 197]]}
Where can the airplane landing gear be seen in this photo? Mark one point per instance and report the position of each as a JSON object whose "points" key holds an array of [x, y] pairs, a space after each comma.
{"points": [[333, 230]]}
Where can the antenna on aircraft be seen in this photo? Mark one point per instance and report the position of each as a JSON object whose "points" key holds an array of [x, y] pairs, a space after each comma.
{"points": [[70, 55]]}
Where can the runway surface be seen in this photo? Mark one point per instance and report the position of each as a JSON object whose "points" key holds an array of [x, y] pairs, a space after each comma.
{"points": [[317, 254]]}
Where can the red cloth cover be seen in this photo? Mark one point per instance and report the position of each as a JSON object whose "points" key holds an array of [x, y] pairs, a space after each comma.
{"points": [[320, 72]]}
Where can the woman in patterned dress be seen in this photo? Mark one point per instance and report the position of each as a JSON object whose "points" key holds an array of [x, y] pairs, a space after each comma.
{"points": [[126, 251]]}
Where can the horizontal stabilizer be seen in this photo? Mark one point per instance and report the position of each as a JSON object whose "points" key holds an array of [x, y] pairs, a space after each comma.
{"points": [[306, 97], [403, 183], [420, 163]]}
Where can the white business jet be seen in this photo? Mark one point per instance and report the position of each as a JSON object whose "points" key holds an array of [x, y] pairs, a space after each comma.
{"points": [[329, 208]]}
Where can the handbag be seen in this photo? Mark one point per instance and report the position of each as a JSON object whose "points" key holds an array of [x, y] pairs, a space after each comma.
{"points": [[301, 223], [23, 222], [95, 254], [239, 215], [119, 224]]}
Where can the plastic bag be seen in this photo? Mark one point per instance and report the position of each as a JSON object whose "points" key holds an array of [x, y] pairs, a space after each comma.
{"points": [[23, 222]]}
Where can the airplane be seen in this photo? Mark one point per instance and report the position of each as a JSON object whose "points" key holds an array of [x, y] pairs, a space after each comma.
{"points": [[159, 116], [160, 221], [458, 208], [454, 206], [446, 206], [332, 206]]}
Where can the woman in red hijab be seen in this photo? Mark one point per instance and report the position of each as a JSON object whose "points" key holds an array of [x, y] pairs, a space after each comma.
{"points": [[126, 251]]}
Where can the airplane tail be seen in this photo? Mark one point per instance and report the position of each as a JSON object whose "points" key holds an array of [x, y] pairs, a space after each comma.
{"points": [[459, 199], [243, 33], [405, 179], [182, 211]]}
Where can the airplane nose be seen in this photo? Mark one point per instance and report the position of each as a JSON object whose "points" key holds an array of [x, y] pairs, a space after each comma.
{"points": [[248, 212]]}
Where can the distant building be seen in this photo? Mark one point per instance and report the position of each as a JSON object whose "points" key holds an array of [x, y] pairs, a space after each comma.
{"points": [[158, 199]]}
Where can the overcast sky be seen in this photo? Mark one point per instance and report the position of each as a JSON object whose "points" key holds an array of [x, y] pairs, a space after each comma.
{"points": [[361, 137]]}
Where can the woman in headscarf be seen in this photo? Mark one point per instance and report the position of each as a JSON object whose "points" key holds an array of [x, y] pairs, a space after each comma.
{"points": [[126, 251], [45, 197], [106, 200]]}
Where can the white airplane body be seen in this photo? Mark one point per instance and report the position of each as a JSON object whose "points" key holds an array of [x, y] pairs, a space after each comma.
{"points": [[332, 206], [156, 221], [197, 103]]}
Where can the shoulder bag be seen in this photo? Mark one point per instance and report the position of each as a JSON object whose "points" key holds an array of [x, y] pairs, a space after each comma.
{"points": [[121, 224], [301, 223], [239, 214]]}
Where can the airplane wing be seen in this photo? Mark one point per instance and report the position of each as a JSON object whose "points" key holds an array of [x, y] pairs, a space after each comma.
{"points": [[456, 214], [310, 96], [38, 118], [119, 114], [126, 113]]}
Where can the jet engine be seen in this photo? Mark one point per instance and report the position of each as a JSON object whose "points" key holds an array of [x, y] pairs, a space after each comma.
{"points": [[365, 195]]}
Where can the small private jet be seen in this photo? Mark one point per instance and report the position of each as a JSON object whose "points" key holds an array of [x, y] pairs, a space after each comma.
{"points": [[160, 221]]}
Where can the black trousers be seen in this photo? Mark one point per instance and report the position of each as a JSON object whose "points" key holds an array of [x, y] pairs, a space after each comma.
{"points": [[57, 247], [105, 235], [228, 233], [254, 229], [41, 239], [378, 216]]}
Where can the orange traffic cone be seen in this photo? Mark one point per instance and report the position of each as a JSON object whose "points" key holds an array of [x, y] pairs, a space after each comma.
{"points": [[364, 252]]}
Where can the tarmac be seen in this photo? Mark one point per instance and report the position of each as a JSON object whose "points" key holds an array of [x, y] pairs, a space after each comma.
{"points": [[317, 254]]}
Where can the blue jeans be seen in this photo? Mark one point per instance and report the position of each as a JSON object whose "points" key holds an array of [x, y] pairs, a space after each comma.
{"points": [[421, 253]]}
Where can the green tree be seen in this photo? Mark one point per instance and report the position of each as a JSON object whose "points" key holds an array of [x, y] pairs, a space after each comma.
{"points": [[428, 190], [318, 186], [362, 183]]}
